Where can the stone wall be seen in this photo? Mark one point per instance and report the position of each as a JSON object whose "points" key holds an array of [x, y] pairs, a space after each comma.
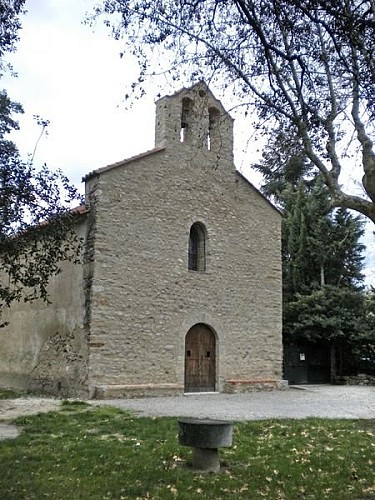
{"points": [[360, 379], [44, 347], [144, 299], [117, 323]]}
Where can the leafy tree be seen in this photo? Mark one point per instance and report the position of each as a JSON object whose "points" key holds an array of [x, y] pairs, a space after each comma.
{"points": [[36, 226], [320, 246], [338, 318], [305, 67], [324, 301], [328, 314], [368, 331], [10, 24]]}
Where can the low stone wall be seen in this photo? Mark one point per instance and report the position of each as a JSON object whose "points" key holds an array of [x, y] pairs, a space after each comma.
{"points": [[243, 386], [136, 391], [115, 391], [360, 379]]}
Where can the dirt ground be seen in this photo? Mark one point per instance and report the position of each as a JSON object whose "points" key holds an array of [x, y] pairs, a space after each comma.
{"points": [[13, 408]]}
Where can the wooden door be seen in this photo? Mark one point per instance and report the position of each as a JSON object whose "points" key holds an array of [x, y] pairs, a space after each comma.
{"points": [[200, 357]]}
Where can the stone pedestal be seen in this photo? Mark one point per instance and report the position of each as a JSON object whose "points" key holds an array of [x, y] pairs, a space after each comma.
{"points": [[205, 436], [206, 459]]}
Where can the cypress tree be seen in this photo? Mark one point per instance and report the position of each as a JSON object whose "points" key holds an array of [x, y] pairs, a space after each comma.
{"points": [[324, 299]]}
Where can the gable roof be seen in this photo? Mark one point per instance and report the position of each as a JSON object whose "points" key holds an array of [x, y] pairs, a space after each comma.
{"points": [[259, 192], [121, 163], [200, 85]]}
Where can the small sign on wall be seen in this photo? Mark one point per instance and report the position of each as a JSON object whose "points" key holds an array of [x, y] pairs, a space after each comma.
{"points": [[302, 356]]}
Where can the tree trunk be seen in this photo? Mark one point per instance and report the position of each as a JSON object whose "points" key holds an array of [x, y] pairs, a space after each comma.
{"points": [[322, 276]]}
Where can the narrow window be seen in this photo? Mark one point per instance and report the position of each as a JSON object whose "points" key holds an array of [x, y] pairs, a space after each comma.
{"points": [[213, 129], [197, 247], [187, 105]]}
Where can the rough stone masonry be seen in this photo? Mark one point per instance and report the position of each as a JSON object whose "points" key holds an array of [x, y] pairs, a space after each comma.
{"points": [[124, 322]]}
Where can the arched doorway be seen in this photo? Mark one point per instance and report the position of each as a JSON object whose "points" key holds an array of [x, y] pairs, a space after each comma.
{"points": [[200, 359]]}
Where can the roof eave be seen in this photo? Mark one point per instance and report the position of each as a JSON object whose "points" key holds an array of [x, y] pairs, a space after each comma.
{"points": [[260, 193], [121, 163]]}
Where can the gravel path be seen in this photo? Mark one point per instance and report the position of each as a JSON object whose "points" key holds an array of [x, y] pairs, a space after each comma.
{"points": [[297, 402]]}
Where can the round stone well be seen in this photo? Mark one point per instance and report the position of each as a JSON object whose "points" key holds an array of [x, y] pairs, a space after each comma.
{"points": [[205, 436]]}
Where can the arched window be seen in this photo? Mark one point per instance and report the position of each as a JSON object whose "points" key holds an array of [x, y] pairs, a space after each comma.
{"points": [[197, 247], [187, 105]]}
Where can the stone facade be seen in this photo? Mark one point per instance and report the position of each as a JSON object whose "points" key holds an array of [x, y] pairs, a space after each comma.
{"points": [[135, 297], [45, 346]]}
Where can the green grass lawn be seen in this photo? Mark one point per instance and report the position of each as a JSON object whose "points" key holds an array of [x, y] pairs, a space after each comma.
{"points": [[82, 452]]}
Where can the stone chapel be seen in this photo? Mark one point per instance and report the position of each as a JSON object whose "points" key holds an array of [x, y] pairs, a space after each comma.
{"points": [[179, 289]]}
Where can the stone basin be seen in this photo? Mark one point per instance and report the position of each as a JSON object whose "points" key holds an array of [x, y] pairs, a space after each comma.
{"points": [[205, 436]]}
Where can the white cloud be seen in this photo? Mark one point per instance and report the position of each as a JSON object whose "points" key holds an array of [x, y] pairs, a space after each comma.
{"points": [[75, 78]]}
